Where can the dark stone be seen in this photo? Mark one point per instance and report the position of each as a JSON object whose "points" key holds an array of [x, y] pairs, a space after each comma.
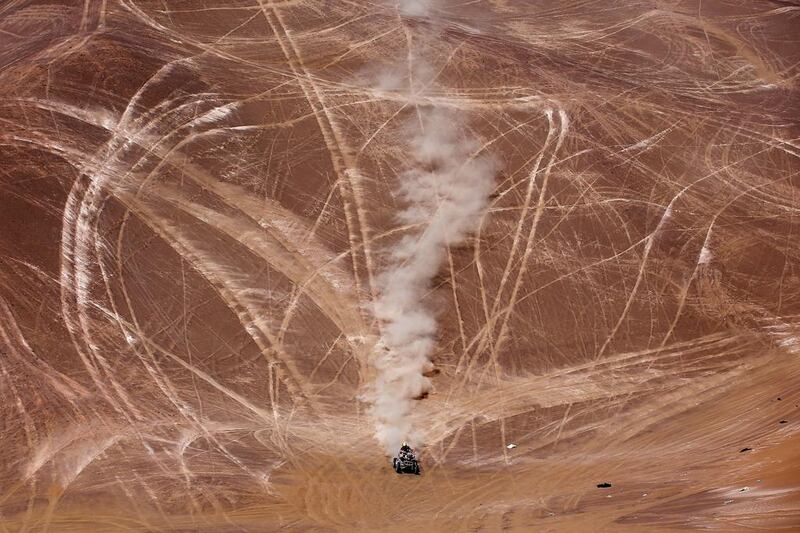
{"points": [[745, 450], [603, 485], [783, 422]]}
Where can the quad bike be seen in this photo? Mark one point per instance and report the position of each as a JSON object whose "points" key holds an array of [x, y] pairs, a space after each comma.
{"points": [[405, 462]]}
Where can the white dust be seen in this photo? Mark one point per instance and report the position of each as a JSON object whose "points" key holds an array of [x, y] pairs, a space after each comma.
{"points": [[445, 190]]}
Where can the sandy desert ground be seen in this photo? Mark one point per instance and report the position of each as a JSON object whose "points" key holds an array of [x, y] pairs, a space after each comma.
{"points": [[197, 198]]}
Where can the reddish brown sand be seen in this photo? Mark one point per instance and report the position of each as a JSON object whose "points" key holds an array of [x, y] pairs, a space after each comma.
{"points": [[196, 197]]}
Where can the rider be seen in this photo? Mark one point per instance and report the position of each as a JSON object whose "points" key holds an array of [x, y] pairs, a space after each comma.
{"points": [[405, 451]]}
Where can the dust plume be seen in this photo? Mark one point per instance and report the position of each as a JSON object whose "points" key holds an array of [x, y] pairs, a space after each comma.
{"points": [[445, 192], [415, 8]]}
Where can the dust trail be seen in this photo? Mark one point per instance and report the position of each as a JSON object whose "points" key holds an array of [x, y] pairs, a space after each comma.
{"points": [[416, 8], [445, 189]]}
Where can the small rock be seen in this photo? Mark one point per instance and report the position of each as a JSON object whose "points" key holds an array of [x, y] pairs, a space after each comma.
{"points": [[744, 489], [783, 422], [745, 450], [726, 502], [511, 446], [603, 485], [779, 398]]}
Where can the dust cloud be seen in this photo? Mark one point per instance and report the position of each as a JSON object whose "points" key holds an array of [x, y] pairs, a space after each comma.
{"points": [[445, 191]]}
